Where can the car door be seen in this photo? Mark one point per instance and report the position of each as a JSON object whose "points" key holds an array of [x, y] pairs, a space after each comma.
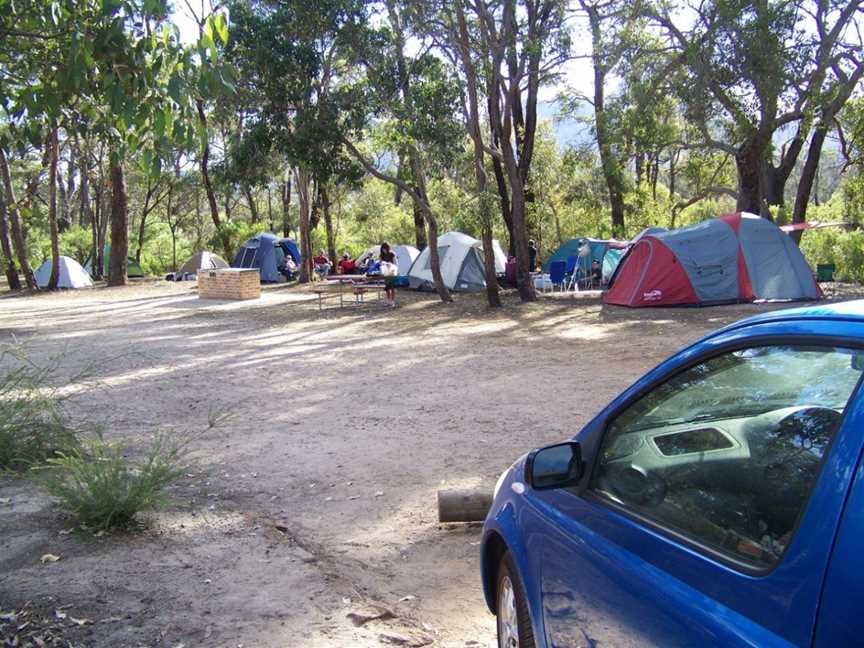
{"points": [[710, 502]]}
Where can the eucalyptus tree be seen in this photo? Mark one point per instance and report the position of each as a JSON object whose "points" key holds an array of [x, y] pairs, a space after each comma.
{"points": [[290, 55], [757, 68], [513, 48], [109, 68], [415, 100]]}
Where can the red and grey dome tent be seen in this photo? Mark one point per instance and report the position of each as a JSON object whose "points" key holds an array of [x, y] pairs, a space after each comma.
{"points": [[741, 257]]}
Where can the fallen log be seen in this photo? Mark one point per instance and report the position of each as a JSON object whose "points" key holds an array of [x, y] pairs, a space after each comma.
{"points": [[463, 505]]}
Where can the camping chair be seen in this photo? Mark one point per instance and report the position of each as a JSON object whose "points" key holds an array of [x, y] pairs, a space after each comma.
{"points": [[557, 274], [825, 274], [570, 271]]}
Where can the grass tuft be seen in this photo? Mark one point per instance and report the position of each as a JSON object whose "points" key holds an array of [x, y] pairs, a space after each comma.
{"points": [[104, 489], [32, 429]]}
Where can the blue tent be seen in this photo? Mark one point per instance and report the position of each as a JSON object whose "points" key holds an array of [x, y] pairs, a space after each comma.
{"points": [[267, 253], [571, 248]]}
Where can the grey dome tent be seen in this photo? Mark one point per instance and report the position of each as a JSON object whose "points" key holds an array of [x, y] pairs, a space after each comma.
{"points": [[736, 258], [71, 274], [202, 260], [267, 253]]}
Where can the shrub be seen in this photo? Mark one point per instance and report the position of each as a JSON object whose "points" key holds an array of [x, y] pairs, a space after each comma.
{"points": [[32, 429], [106, 490], [845, 249]]}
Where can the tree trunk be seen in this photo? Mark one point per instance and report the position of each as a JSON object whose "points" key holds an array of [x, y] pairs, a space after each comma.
{"points": [[270, 209], [172, 226], [473, 116], [205, 179], [328, 224], [748, 161], [286, 205], [306, 267], [250, 200], [8, 259], [119, 226], [808, 175], [613, 174], [85, 215], [419, 228], [15, 222], [53, 154], [504, 199]]}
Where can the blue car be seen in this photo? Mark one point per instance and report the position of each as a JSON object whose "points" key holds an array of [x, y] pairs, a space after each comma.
{"points": [[719, 501]]}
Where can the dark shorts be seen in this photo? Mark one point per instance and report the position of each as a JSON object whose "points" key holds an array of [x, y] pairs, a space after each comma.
{"points": [[389, 282]]}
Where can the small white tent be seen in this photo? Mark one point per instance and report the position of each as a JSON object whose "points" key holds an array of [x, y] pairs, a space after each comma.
{"points": [[461, 259], [203, 260], [405, 255], [72, 275]]}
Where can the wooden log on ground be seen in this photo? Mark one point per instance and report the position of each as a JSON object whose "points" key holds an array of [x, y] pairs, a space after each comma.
{"points": [[463, 505]]}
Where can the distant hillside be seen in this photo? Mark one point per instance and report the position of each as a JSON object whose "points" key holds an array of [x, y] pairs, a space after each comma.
{"points": [[569, 131]]}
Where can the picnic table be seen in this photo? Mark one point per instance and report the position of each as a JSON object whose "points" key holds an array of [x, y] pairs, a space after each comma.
{"points": [[359, 286]]}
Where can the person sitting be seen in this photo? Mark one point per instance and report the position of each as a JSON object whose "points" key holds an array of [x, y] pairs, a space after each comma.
{"points": [[322, 264], [596, 274], [288, 268], [373, 267], [346, 266]]}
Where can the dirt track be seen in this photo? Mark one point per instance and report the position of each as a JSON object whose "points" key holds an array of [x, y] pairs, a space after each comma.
{"points": [[316, 497]]}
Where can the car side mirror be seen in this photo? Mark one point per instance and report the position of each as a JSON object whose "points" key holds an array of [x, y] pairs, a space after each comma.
{"points": [[555, 466]]}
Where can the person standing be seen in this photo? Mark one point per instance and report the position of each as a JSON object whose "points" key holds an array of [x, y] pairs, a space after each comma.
{"points": [[389, 256], [532, 255]]}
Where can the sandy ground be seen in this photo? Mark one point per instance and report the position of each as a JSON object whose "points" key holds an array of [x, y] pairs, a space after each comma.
{"points": [[317, 496]]}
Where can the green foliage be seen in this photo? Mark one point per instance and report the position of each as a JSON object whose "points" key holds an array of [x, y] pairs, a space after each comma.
{"points": [[76, 242], [32, 428], [106, 490], [233, 234], [157, 256], [845, 249]]}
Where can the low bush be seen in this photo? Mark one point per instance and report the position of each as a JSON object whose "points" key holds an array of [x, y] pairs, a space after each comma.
{"points": [[106, 490], [32, 428]]}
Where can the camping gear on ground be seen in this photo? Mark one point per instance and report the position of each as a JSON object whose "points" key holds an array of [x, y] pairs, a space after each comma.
{"points": [[203, 260], [133, 268], [461, 259], [740, 257], [71, 274], [267, 253], [825, 274], [229, 283], [541, 281]]}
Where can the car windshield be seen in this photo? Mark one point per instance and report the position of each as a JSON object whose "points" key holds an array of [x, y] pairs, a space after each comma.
{"points": [[747, 383]]}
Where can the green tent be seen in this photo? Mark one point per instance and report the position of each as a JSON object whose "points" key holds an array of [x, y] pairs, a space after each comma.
{"points": [[133, 268]]}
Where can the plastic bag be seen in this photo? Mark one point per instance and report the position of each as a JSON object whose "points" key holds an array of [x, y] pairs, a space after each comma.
{"points": [[388, 269]]}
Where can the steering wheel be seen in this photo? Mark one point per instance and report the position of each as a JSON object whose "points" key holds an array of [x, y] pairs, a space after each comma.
{"points": [[634, 485]]}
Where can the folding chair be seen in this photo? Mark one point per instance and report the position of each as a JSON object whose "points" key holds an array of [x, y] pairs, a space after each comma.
{"points": [[825, 274], [557, 274], [570, 271]]}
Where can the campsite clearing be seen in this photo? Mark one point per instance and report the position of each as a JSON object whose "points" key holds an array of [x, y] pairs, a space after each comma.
{"points": [[316, 499]]}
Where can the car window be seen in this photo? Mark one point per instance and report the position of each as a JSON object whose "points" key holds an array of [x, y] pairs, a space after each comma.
{"points": [[728, 451]]}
